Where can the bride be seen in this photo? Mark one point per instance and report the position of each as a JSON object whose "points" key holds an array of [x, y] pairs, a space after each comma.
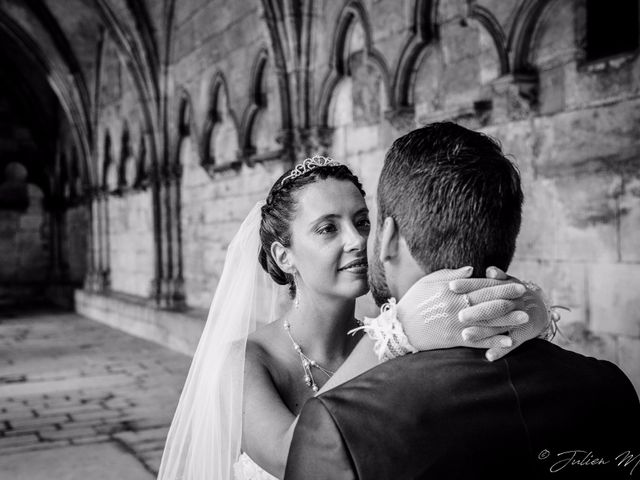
{"points": [[278, 326]]}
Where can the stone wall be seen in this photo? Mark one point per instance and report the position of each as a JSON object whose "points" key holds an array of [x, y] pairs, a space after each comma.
{"points": [[24, 251], [251, 87]]}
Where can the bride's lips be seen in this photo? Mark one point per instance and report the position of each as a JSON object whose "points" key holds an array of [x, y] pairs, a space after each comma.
{"points": [[359, 265]]}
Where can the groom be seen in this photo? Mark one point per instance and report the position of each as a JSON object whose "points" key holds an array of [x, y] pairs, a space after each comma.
{"points": [[448, 197]]}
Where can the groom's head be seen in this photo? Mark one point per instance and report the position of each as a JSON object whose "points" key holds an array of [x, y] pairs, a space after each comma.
{"points": [[447, 198]]}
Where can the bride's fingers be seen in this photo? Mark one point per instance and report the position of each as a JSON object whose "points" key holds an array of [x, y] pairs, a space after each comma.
{"points": [[449, 275], [496, 353], [486, 311], [495, 342], [496, 273], [477, 334], [510, 320], [466, 285], [508, 291]]}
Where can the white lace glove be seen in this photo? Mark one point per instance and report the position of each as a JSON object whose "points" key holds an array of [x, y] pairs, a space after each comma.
{"points": [[447, 309], [543, 318]]}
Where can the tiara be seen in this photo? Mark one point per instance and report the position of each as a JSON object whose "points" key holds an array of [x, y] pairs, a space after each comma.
{"points": [[310, 164]]}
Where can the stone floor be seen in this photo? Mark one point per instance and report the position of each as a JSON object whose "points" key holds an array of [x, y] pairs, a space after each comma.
{"points": [[81, 400]]}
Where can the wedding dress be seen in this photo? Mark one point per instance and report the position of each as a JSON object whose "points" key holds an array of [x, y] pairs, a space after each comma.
{"points": [[247, 469]]}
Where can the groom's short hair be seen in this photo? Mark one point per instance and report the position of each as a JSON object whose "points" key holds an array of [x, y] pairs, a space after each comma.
{"points": [[455, 197]]}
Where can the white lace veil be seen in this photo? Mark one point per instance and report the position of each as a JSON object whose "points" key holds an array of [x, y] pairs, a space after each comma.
{"points": [[204, 438]]}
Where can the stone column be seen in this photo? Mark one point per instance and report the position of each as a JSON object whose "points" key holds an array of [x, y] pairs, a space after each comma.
{"points": [[168, 285], [101, 280], [93, 238]]}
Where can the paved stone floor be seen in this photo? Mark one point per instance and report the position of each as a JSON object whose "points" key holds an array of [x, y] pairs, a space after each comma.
{"points": [[81, 400]]}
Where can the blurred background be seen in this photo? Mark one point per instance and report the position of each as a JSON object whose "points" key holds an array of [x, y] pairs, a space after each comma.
{"points": [[135, 135]]}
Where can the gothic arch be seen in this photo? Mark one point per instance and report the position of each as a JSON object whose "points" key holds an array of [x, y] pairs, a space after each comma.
{"points": [[423, 31], [62, 71], [521, 34], [215, 116], [141, 64], [352, 13], [257, 101], [493, 27], [274, 19], [185, 124]]}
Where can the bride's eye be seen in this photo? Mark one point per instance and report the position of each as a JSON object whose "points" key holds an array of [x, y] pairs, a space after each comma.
{"points": [[326, 229]]}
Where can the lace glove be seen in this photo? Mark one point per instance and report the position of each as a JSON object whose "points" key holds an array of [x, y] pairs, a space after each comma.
{"points": [[543, 317], [435, 315]]}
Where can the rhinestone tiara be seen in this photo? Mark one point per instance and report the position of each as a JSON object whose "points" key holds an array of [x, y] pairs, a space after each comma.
{"points": [[310, 164]]}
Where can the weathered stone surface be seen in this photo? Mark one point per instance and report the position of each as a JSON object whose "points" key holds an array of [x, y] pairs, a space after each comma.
{"points": [[563, 284], [101, 461], [629, 358], [571, 126], [578, 338], [613, 300], [93, 428], [630, 219]]}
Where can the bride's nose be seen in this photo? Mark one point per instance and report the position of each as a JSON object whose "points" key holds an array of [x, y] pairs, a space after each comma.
{"points": [[354, 240]]}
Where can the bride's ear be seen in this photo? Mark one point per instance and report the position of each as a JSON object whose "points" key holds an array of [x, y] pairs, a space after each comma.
{"points": [[389, 240], [282, 257]]}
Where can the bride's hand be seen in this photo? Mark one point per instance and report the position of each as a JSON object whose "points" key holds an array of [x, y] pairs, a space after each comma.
{"points": [[492, 313], [450, 309]]}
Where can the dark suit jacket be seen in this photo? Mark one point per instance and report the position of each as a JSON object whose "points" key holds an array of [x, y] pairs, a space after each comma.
{"points": [[451, 414]]}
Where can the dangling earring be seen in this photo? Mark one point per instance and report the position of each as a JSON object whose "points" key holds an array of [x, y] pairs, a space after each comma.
{"points": [[296, 300]]}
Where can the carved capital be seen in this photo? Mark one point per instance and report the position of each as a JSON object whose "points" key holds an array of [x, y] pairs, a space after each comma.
{"points": [[518, 93], [311, 141], [402, 119]]}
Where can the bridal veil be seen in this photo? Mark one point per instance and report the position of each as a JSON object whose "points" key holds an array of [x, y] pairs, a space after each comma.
{"points": [[204, 439]]}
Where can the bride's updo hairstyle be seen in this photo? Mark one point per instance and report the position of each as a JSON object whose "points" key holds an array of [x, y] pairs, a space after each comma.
{"points": [[280, 208]]}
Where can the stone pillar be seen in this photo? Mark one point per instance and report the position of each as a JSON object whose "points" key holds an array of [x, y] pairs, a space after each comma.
{"points": [[58, 266], [98, 278], [168, 284], [105, 254], [175, 201], [91, 276]]}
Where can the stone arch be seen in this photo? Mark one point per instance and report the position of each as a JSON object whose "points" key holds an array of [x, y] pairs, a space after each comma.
{"points": [[422, 32], [273, 16], [185, 126], [446, 83], [352, 16], [551, 39], [220, 138], [485, 18], [61, 69], [521, 34], [258, 132]]}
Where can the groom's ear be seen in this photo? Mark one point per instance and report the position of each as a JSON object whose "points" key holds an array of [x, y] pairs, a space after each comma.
{"points": [[389, 240], [282, 257]]}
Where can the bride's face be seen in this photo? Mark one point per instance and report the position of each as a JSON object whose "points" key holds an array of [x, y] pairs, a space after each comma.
{"points": [[329, 239]]}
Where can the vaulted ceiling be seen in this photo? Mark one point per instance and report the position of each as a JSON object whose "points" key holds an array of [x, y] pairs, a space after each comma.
{"points": [[50, 52]]}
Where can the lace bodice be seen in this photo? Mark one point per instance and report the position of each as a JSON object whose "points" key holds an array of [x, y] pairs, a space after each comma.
{"points": [[247, 469]]}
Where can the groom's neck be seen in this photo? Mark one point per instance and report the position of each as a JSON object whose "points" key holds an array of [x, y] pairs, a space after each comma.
{"points": [[406, 281], [403, 271]]}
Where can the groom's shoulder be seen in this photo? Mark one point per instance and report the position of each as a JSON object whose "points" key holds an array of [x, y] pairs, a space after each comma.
{"points": [[430, 373]]}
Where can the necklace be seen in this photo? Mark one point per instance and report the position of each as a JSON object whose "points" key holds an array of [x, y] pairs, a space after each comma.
{"points": [[307, 363]]}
